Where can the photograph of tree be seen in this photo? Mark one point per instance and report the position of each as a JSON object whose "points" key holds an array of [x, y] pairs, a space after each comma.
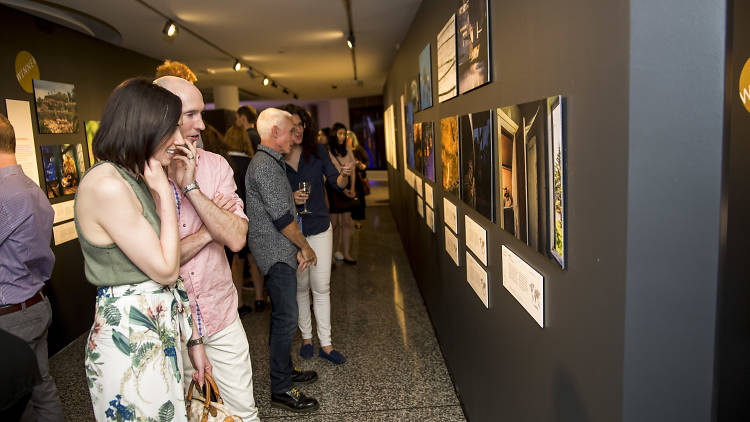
{"points": [[56, 110], [532, 163], [473, 45], [418, 151], [425, 78], [449, 154], [476, 162], [428, 150], [446, 61]]}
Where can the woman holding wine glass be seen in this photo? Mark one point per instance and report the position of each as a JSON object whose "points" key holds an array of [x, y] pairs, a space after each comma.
{"points": [[308, 169]]}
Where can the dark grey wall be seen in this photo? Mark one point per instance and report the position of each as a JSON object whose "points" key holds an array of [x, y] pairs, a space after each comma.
{"points": [[504, 366], [95, 68], [677, 52], [630, 323]]}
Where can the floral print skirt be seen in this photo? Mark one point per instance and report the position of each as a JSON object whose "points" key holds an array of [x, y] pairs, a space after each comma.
{"points": [[133, 358]]}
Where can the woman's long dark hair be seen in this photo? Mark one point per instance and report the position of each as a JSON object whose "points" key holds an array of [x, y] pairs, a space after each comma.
{"points": [[138, 118], [310, 133], [337, 148]]}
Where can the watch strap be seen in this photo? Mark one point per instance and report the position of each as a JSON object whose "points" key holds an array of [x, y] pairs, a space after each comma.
{"points": [[190, 187], [195, 342]]}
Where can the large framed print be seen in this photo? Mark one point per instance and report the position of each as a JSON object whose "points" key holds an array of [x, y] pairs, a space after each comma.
{"points": [[410, 135], [477, 170], [428, 150], [449, 154], [425, 78], [473, 45], [446, 61], [532, 186], [56, 107], [418, 150]]}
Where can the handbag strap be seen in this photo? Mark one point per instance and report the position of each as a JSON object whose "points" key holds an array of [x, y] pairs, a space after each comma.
{"points": [[210, 385]]}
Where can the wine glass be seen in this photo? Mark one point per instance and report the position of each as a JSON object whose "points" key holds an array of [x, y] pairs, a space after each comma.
{"points": [[305, 188]]}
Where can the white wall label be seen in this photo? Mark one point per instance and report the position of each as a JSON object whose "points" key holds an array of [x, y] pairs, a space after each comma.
{"points": [[63, 211], [476, 239], [429, 218], [525, 284], [476, 276], [451, 245], [428, 195], [64, 232], [418, 185], [449, 215], [19, 116], [420, 206]]}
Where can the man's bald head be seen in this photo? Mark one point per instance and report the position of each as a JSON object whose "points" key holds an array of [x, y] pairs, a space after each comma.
{"points": [[192, 105], [275, 129], [7, 136]]}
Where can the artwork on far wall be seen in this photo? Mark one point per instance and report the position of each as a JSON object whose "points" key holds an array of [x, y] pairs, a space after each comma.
{"points": [[63, 168], [532, 172], [428, 150], [91, 127], [414, 93], [449, 154], [476, 162], [410, 135], [56, 110], [473, 45], [446, 61], [418, 149], [425, 78]]}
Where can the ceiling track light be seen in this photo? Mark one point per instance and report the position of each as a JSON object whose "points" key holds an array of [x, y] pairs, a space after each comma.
{"points": [[237, 66], [170, 29], [350, 40], [266, 81]]}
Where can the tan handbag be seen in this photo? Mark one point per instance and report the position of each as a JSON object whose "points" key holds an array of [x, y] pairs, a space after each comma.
{"points": [[202, 409]]}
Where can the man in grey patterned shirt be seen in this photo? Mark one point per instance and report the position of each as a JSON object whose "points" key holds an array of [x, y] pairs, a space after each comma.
{"points": [[280, 249]]}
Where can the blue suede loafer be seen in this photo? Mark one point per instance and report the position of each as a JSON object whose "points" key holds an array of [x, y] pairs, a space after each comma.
{"points": [[306, 351], [334, 356]]}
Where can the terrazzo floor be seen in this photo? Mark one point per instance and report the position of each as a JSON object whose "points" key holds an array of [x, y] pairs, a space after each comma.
{"points": [[394, 372]]}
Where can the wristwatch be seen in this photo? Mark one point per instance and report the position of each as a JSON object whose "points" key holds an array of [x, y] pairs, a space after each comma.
{"points": [[190, 187], [195, 342]]}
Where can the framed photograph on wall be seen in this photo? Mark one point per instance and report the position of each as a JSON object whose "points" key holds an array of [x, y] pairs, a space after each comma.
{"points": [[446, 61], [428, 150], [56, 107], [449, 155], [418, 150], [425, 78], [473, 42], [477, 162], [557, 179]]}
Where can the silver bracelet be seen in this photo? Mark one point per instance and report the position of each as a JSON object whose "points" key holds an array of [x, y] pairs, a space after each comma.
{"points": [[190, 187]]}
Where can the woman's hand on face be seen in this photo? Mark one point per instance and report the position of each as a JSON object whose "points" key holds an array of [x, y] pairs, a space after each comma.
{"points": [[156, 177], [300, 197], [184, 171]]}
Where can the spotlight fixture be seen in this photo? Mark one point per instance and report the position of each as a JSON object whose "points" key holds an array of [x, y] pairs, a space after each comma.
{"points": [[237, 66], [350, 40], [266, 81], [170, 29]]}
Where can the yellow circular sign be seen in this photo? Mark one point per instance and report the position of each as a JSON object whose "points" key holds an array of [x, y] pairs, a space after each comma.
{"points": [[745, 85], [26, 70]]}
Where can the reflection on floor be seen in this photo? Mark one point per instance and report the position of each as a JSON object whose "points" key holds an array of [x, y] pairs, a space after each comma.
{"points": [[395, 370]]}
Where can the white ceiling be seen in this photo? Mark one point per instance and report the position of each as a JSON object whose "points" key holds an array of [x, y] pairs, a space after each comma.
{"points": [[299, 43]]}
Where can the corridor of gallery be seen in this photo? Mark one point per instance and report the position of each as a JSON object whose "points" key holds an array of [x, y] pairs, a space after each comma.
{"points": [[395, 370]]}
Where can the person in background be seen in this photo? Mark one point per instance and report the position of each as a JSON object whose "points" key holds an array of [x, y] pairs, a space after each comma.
{"points": [[175, 68], [246, 119], [323, 136], [361, 163], [341, 203], [126, 218], [211, 217], [240, 153], [26, 262], [281, 250], [214, 142], [20, 373], [309, 162]]}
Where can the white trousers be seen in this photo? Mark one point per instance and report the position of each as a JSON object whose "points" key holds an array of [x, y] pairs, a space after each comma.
{"points": [[317, 278], [229, 355]]}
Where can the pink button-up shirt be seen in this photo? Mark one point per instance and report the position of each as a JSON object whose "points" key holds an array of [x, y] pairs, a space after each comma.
{"points": [[208, 278]]}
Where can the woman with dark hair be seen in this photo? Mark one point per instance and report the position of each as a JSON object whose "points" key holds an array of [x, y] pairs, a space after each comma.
{"points": [[341, 203], [309, 162], [126, 218]]}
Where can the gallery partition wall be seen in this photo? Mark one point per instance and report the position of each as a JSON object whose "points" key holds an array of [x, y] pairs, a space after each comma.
{"points": [[555, 171], [46, 66]]}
